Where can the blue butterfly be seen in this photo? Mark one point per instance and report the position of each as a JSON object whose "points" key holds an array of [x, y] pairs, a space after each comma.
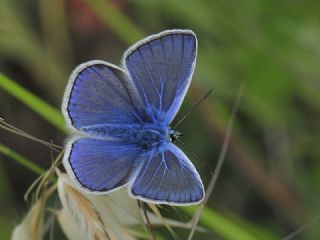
{"points": [[120, 122]]}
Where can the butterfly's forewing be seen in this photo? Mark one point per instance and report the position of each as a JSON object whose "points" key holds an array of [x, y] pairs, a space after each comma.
{"points": [[100, 165], [100, 93], [161, 67], [168, 176]]}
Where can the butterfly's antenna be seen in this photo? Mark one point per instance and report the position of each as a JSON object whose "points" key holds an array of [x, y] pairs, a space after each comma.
{"points": [[195, 155], [192, 109]]}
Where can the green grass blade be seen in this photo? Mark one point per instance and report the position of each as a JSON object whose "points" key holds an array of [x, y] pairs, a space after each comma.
{"points": [[51, 114], [113, 18], [21, 160], [224, 226]]}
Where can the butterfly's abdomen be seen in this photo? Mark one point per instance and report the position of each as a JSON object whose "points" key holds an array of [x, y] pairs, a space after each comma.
{"points": [[145, 135], [148, 138]]}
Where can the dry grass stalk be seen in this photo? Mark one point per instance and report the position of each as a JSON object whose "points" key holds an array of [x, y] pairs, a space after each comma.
{"points": [[157, 213], [118, 211], [31, 227], [68, 225], [110, 215], [120, 205], [87, 220]]}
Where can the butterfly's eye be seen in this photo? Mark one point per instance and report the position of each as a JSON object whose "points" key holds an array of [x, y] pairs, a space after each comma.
{"points": [[174, 135]]}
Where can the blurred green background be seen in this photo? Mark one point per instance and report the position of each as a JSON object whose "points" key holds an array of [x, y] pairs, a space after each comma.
{"points": [[269, 184]]}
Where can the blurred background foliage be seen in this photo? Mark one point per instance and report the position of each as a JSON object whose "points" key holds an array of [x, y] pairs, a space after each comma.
{"points": [[269, 185]]}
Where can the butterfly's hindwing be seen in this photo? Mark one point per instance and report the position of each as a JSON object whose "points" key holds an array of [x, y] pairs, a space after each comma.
{"points": [[168, 176], [101, 165]]}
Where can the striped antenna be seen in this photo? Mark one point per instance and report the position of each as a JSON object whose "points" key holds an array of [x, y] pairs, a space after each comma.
{"points": [[194, 155], [192, 109]]}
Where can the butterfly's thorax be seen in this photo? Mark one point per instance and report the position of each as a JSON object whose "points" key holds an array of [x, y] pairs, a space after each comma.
{"points": [[147, 135]]}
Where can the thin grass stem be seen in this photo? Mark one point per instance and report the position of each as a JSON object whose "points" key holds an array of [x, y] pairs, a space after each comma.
{"points": [[21, 160], [38, 105], [220, 162]]}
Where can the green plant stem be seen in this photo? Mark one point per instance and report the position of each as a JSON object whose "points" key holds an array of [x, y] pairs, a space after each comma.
{"points": [[222, 225], [21, 160], [38, 105], [118, 22]]}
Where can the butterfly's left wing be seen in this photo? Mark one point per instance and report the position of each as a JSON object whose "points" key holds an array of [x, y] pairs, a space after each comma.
{"points": [[168, 176], [161, 67], [99, 93], [100, 165]]}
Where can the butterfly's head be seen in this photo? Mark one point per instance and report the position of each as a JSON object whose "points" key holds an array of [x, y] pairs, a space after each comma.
{"points": [[174, 135]]}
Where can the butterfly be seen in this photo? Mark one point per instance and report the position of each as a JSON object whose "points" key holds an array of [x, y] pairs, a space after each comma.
{"points": [[120, 117]]}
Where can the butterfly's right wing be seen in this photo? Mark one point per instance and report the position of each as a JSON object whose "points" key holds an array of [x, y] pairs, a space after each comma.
{"points": [[161, 68], [101, 93], [167, 176]]}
